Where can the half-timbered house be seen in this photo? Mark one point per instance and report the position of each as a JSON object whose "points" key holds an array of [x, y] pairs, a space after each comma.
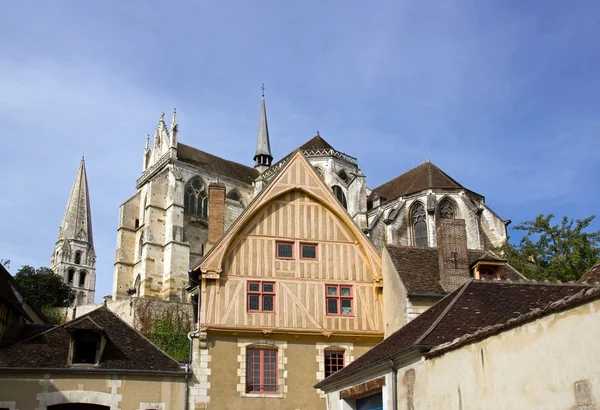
{"points": [[288, 295]]}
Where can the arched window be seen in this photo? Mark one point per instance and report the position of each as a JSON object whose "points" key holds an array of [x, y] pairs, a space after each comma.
{"points": [[339, 194], [234, 195], [447, 209], [70, 276], [78, 258], [82, 275], [419, 224], [194, 201]]}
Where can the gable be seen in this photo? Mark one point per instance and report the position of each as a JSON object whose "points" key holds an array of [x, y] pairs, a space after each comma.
{"points": [[294, 194]]}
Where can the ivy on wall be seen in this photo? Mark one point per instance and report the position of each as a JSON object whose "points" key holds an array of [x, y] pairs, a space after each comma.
{"points": [[166, 324]]}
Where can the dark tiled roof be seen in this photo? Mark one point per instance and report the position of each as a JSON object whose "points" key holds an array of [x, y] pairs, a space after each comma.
{"points": [[125, 347], [419, 268], [592, 275], [8, 287], [486, 256], [16, 333], [425, 176], [317, 142], [215, 164], [475, 306]]}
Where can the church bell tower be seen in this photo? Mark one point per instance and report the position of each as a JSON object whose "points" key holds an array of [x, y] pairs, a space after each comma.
{"points": [[74, 258]]}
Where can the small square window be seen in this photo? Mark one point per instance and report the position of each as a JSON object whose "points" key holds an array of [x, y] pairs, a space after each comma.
{"points": [[261, 297], [334, 361], [285, 250], [308, 251], [339, 300]]}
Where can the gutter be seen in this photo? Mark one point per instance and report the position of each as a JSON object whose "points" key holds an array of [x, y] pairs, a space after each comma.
{"points": [[394, 385], [90, 371]]}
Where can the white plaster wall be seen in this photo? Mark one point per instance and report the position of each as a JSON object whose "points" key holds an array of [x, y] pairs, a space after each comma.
{"points": [[534, 366], [394, 295]]}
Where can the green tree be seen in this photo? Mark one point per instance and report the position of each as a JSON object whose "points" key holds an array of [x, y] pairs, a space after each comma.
{"points": [[44, 288], [555, 252]]}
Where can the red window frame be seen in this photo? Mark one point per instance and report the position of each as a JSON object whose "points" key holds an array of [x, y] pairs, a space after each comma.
{"points": [[339, 298], [262, 294], [334, 361], [261, 371], [302, 245], [284, 243]]}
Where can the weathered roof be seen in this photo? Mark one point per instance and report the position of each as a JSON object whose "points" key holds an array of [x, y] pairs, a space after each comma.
{"points": [[419, 268], [18, 332], [420, 178], [212, 163], [125, 347], [592, 275], [317, 142], [472, 308], [10, 292]]}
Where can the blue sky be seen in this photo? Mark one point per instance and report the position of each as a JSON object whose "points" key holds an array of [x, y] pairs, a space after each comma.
{"points": [[502, 95]]}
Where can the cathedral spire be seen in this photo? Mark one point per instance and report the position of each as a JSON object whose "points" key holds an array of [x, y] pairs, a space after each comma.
{"points": [[74, 258], [77, 221], [263, 157]]}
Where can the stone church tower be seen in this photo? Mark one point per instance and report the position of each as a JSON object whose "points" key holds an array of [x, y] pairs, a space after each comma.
{"points": [[74, 258]]}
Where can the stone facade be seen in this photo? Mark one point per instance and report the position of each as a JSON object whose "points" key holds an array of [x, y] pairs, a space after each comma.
{"points": [[74, 258]]}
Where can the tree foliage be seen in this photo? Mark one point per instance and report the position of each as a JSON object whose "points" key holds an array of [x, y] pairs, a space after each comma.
{"points": [[555, 252], [44, 288]]}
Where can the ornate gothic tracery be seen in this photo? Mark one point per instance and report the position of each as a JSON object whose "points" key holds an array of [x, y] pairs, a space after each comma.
{"points": [[419, 224], [447, 209], [195, 198]]}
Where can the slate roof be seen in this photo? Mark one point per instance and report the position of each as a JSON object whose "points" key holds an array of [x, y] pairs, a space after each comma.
{"points": [[419, 268], [215, 164], [592, 275], [420, 178], [8, 287], [317, 142], [125, 347], [477, 307]]}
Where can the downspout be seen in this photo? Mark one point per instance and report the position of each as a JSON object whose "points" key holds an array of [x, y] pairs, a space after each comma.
{"points": [[394, 386], [189, 363]]}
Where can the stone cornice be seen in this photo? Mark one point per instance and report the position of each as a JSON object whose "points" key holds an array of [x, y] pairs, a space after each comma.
{"points": [[153, 170]]}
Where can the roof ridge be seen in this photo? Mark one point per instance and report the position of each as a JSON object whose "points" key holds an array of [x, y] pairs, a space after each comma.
{"points": [[443, 314], [552, 307], [213, 155]]}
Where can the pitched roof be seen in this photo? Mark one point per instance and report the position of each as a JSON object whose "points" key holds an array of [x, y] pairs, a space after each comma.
{"points": [[125, 347], [592, 275], [420, 178], [419, 268], [317, 142], [77, 220], [215, 164], [475, 306]]}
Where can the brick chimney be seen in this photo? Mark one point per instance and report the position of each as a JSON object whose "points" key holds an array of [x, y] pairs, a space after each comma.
{"points": [[452, 253], [216, 213]]}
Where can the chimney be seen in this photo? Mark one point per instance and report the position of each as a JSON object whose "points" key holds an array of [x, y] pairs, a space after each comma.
{"points": [[216, 213], [452, 253]]}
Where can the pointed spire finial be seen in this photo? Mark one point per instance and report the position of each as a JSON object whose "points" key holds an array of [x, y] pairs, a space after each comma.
{"points": [[318, 135], [263, 156], [174, 119], [147, 141], [162, 117], [263, 90]]}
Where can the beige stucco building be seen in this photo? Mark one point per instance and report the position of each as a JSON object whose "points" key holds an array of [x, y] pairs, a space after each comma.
{"points": [[489, 345], [95, 362]]}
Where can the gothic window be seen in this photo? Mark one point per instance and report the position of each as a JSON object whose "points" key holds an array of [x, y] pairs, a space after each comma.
{"points": [[82, 275], [339, 194], [195, 198], [447, 210], [78, 258], [234, 195], [419, 224]]}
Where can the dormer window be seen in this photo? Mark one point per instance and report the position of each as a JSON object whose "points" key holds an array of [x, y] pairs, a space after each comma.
{"points": [[86, 346], [487, 267]]}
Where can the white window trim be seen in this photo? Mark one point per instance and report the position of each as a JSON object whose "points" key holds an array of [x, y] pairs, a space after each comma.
{"points": [[321, 347], [281, 365]]}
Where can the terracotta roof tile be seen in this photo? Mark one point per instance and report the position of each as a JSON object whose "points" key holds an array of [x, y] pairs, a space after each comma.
{"points": [[592, 275], [419, 268], [420, 178], [215, 164], [472, 308], [125, 347]]}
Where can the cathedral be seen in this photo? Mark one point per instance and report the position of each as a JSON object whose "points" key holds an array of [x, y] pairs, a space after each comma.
{"points": [[163, 227]]}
